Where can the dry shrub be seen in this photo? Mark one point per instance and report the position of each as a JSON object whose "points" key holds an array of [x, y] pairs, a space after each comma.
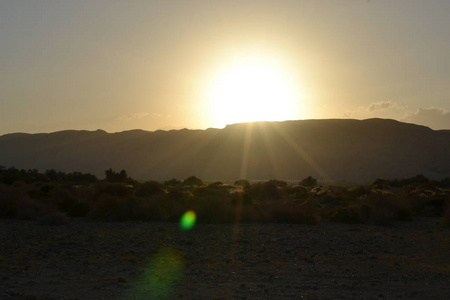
{"points": [[298, 192], [307, 217], [401, 207], [382, 216], [277, 212], [269, 190], [288, 212], [86, 192], [67, 199], [79, 209], [157, 208], [330, 203], [115, 189], [356, 192], [350, 214], [111, 208], [405, 213], [8, 207], [213, 209], [28, 209], [181, 195], [147, 209], [321, 191], [63, 198], [16, 203], [445, 222], [53, 217], [149, 188], [246, 213]]}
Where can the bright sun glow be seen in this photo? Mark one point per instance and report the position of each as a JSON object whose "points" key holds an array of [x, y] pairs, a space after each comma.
{"points": [[253, 89]]}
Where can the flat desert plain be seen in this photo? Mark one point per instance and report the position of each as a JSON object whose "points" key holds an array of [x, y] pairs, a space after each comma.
{"points": [[143, 260]]}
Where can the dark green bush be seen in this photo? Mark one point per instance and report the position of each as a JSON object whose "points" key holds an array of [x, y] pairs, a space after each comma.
{"points": [[149, 188], [172, 182], [272, 189], [308, 182], [298, 192], [193, 181], [116, 189]]}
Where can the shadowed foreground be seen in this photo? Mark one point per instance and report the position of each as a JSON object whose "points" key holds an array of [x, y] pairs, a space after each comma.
{"points": [[143, 260]]}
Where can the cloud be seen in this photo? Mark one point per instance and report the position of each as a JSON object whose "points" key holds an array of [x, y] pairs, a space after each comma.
{"points": [[135, 116], [381, 109], [434, 117], [384, 105]]}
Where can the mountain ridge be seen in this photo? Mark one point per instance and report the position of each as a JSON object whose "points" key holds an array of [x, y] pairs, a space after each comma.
{"points": [[328, 149]]}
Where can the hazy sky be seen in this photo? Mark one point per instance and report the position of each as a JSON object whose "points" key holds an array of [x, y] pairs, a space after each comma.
{"points": [[120, 65]]}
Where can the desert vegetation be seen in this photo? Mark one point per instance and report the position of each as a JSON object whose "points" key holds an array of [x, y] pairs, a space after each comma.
{"points": [[53, 197]]}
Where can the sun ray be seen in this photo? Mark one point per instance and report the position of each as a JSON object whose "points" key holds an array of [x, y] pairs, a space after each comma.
{"points": [[246, 151], [302, 153]]}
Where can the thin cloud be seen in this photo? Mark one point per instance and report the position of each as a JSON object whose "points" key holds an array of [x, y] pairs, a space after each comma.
{"points": [[384, 105], [434, 117], [135, 116], [381, 109]]}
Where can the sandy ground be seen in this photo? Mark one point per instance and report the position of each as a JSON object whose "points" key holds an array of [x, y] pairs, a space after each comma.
{"points": [[141, 260]]}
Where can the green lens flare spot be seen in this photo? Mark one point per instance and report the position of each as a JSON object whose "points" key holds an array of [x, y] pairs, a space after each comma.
{"points": [[158, 280], [187, 220]]}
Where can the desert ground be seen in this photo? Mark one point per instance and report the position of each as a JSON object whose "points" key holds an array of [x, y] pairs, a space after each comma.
{"points": [[87, 259]]}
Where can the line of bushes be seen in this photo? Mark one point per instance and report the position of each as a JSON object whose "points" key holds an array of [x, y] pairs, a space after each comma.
{"points": [[52, 202]]}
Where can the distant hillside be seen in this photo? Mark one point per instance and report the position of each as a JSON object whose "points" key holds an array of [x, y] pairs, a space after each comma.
{"points": [[337, 149]]}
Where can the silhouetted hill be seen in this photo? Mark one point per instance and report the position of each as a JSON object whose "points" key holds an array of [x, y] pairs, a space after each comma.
{"points": [[337, 149]]}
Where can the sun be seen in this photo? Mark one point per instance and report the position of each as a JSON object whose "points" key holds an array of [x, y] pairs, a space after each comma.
{"points": [[253, 88]]}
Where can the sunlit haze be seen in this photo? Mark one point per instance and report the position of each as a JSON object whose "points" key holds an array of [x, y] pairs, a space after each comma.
{"points": [[121, 65]]}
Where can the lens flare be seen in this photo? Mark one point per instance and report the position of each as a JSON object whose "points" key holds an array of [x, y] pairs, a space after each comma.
{"points": [[157, 281], [187, 220]]}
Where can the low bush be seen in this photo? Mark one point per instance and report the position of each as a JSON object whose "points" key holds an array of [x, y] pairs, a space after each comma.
{"points": [[149, 188], [193, 181], [400, 206], [298, 192], [445, 222], [308, 217], [243, 183], [271, 201], [212, 206], [8, 207], [79, 209], [351, 214], [28, 208], [117, 189], [295, 215], [112, 208], [382, 216], [53, 217], [263, 191]]}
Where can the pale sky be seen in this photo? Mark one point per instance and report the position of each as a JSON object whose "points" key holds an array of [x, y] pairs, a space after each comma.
{"points": [[143, 64]]}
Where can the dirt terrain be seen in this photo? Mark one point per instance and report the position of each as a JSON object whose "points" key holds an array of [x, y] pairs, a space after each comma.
{"points": [[144, 260]]}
